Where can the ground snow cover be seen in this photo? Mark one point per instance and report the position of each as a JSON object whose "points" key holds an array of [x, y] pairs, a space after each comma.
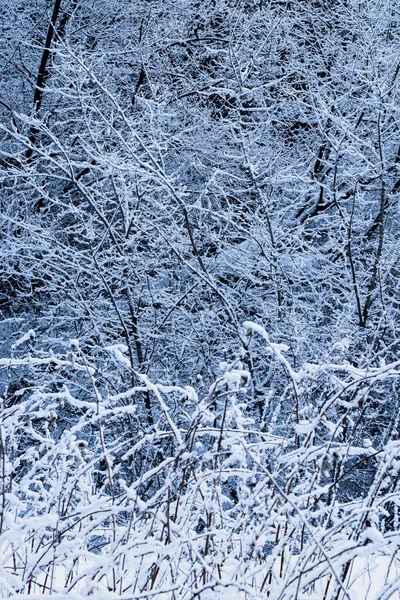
{"points": [[373, 577]]}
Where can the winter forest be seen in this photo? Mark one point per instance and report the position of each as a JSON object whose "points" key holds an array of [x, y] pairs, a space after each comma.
{"points": [[199, 299]]}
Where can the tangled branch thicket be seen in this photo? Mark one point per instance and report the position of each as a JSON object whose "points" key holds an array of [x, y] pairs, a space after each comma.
{"points": [[199, 299]]}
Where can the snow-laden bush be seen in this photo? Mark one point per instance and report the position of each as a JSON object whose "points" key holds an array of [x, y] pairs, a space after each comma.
{"points": [[204, 503]]}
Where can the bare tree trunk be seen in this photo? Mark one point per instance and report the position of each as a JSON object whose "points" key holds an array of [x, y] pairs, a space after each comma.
{"points": [[44, 70]]}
